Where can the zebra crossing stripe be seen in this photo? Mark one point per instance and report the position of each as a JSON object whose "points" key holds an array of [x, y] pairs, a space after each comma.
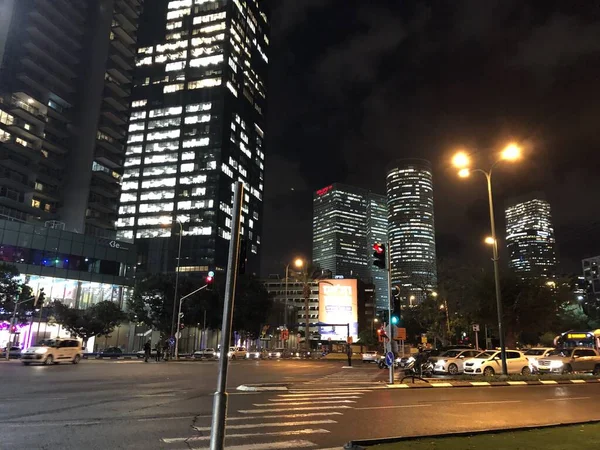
{"points": [[302, 408], [288, 416], [293, 402], [247, 435], [270, 425], [345, 397], [268, 446]]}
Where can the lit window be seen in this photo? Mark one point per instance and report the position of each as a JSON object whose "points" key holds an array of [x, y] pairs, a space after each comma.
{"points": [[187, 167], [211, 28], [169, 88], [195, 179], [125, 222], [161, 158], [198, 107], [209, 18], [198, 192], [162, 146], [132, 162], [4, 136], [207, 82], [136, 127], [178, 14], [187, 156], [129, 186], [206, 61], [144, 61], [146, 50], [135, 138], [156, 207], [197, 119], [226, 170], [160, 170], [196, 42], [158, 183], [125, 235], [200, 231], [174, 25], [136, 115], [176, 4], [157, 195], [160, 135], [138, 103], [164, 123], [152, 233], [202, 142], [172, 111], [180, 65], [127, 198], [232, 88]]}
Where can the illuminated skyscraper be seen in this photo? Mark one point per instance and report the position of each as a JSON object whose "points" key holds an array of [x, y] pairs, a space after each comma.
{"points": [[197, 125], [347, 221], [66, 69], [530, 237], [411, 227]]}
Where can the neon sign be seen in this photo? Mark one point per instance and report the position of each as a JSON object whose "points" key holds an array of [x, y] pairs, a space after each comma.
{"points": [[325, 190]]}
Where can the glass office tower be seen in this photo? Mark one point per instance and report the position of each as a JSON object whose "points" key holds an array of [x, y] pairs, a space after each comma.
{"points": [[197, 125]]}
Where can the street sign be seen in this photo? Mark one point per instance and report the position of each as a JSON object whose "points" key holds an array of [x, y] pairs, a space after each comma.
{"points": [[475, 327], [401, 334], [423, 338], [171, 341], [285, 335], [389, 358]]}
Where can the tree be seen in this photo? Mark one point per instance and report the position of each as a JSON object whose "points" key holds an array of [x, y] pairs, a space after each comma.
{"points": [[11, 290], [252, 306], [98, 320], [368, 338]]}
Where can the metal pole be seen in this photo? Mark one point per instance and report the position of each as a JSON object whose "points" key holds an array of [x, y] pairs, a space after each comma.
{"points": [[179, 318], [217, 433], [176, 277], [349, 346], [496, 274], [202, 337], [389, 272], [285, 312], [37, 333], [12, 321]]}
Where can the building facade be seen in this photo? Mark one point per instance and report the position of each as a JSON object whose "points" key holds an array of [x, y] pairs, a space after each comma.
{"points": [[347, 221], [65, 75], [411, 228], [590, 297], [197, 125], [530, 237]]}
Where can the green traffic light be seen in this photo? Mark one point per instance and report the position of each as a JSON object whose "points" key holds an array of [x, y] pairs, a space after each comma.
{"points": [[395, 320]]}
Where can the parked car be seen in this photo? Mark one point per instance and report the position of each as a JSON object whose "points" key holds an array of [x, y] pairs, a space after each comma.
{"points": [[234, 353], [207, 353], [110, 352], [13, 353], [370, 356], [489, 363], [255, 354], [53, 351], [567, 360], [452, 361], [535, 354]]}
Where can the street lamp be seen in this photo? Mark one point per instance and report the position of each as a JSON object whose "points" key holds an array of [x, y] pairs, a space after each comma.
{"points": [[462, 161], [167, 221], [298, 263]]}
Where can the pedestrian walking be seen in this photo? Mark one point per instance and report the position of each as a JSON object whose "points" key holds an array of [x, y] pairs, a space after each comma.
{"points": [[166, 350], [157, 347], [147, 351]]}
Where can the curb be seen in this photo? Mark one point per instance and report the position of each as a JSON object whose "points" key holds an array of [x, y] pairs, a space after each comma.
{"points": [[262, 387], [466, 384], [366, 443]]}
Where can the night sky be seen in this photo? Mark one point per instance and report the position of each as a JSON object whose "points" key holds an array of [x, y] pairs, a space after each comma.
{"points": [[356, 84]]}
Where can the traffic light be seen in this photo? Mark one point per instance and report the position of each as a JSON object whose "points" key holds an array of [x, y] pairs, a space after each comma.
{"points": [[243, 256], [395, 319], [379, 255], [39, 298], [210, 277]]}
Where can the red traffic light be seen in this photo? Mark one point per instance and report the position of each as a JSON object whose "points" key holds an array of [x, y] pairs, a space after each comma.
{"points": [[209, 279], [378, 248]]}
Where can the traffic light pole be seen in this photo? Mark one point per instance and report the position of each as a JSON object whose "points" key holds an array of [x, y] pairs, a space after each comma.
{"points": [[178, 332], [389, 273]]}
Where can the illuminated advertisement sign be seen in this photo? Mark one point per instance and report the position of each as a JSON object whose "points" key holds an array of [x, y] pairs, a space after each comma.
{"points": [[338, 304]]}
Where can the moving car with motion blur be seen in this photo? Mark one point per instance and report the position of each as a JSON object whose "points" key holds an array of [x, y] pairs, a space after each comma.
{"points": [[278, 353], [207, 353], [110, 352], [370, 356], [53, 351], [569, 360], [535, 354], [489, 363], [13, 353], [255, 354]]}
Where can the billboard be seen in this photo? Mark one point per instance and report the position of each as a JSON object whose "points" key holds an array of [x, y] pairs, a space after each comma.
{"points": [[338, 304]]}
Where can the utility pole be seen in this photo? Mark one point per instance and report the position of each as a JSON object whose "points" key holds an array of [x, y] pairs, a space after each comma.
{"points": [[389, 274], [217, 432]]}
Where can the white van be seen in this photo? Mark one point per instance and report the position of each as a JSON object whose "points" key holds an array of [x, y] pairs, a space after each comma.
{"points": [[53, 351]]}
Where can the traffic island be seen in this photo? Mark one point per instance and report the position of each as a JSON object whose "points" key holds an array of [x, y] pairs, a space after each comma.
{"points": [[263, 387], [584, 435]]}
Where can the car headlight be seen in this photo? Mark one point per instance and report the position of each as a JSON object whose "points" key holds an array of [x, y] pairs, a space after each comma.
{"points": [[440, 362], [533, 362], [278, 354], [41, 351], [218, 354], [556, 364], [410, 359]]}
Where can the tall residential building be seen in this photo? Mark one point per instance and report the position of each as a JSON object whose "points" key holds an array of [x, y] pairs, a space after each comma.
{"points": [[590, 297], [377, 225], [530, 236], [411, 227], [197, 125], [347, 221], [65, 73]]}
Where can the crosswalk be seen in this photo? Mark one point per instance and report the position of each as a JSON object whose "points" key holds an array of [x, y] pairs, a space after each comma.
{"points": [[350, 377], [293, 419]]}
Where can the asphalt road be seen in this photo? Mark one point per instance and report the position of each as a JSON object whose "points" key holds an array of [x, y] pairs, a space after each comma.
{"points": [[132, 405]]}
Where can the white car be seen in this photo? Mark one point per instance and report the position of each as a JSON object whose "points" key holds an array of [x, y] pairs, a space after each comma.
{"points": [[370, 356], [489, 363], [53, 351], [207, 353], [535, 354], [234, 353], [452, 361]]}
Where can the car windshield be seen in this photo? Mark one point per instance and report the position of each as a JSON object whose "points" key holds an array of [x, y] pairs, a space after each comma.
{"points": [[47, 343], [535, 352], [562, 352], [451, 353], [486, 355]]}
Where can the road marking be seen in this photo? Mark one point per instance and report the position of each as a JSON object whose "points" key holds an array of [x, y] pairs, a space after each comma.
{"points": [[491, 402], [577, 381], [152, 419], [548, 382], [268, 446], [393, 407], [292, 402], [516, 383], [321, 394], [303, 408], [247, 435], [154, 395], [566, 398], [479, 383], [441, 384], [308, 398], [288, 416], [51, 424], [270, 425], [398, 386]]}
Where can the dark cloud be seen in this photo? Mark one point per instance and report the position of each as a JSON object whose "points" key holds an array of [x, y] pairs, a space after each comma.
{"points": [[354, 87]]}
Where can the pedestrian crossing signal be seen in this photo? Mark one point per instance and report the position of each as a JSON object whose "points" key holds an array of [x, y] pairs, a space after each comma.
{"points": [[379, 255]]}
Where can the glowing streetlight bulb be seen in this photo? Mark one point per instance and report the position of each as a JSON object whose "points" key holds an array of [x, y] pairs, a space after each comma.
{"points": [[489, 240], [464, 173], [511, 153], [298, 262], [460, 160]]}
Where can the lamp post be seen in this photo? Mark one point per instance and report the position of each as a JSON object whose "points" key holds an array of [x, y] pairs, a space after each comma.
{"points": [[179, 317], [462, 161], [176, 277], [298, 262]]}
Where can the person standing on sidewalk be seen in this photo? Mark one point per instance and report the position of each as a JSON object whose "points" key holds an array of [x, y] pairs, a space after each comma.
{"points": [[147, 351], [158, 351]]}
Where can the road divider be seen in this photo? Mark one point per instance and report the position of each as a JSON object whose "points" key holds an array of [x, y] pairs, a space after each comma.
{"points": [[466, 384]]}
